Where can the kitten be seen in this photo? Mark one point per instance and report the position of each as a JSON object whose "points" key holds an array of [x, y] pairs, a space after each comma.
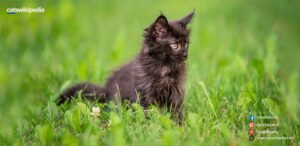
{"points": [[156, 76]]}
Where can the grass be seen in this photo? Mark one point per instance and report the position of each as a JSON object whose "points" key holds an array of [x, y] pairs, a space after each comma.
{"points": [[243, 61]]}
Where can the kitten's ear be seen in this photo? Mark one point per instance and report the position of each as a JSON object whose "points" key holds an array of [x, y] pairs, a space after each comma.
{"points": [[185, 20], [160, 27]]}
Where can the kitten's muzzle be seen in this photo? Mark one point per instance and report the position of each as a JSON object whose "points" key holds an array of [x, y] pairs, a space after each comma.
{"points": [[184, 55]]}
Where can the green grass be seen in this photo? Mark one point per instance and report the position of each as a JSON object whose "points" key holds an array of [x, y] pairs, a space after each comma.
{"points": [[243, 60]]}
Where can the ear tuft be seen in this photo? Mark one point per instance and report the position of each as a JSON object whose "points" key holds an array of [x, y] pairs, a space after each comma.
{"points": [[185, 20]]}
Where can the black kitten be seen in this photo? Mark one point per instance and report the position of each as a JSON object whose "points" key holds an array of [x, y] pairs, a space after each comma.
{"points": [[156, 76]]}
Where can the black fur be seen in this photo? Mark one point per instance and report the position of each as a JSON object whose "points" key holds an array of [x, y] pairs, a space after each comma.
{"points": [[156, 76]]}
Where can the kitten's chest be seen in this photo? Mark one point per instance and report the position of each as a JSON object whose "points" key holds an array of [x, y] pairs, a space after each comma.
{"points": [[161, 82], [164, 77]]}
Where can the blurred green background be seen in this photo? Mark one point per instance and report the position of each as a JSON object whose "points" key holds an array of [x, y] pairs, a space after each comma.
{"points": [[243, 59]]}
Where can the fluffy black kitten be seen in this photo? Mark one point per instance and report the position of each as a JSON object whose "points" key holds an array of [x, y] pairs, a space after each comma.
{"points": [[156, 76]]}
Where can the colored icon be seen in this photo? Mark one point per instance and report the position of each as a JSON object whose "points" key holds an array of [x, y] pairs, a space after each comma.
{"points": [[251, 118], [251, 132], [251, 124], [251, 137]]}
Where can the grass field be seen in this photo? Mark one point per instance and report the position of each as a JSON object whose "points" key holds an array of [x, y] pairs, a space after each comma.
{"points": [[243, 60]]}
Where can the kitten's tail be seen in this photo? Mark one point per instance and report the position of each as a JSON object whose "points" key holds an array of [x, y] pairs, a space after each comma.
{"points": [[88, 91]]}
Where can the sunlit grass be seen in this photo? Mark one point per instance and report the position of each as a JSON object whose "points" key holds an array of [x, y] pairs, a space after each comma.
{"points": [[239, 64]]}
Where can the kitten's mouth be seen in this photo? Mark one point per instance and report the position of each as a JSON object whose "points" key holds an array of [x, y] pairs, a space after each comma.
{"points": [[185, 57], [182, 59]]}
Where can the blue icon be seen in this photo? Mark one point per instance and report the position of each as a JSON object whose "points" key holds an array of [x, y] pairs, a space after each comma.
{"points": [[251, 118]]}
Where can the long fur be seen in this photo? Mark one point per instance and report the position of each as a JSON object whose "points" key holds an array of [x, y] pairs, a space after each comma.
{"points": [[156, 76]]}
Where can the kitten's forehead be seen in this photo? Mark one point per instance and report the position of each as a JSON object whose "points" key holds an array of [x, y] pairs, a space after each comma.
{"points": [[178, 29]]}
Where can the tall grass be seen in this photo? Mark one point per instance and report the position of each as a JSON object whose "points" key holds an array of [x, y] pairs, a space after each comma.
{"points": [[243, 60]]}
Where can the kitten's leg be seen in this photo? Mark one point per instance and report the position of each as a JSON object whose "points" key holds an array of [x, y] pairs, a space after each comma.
{"points": [[146, 103], [175, 108], [180, 117]]}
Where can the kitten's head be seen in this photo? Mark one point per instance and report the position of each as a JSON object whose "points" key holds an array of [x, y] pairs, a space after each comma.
{"points": [[167, 41]]}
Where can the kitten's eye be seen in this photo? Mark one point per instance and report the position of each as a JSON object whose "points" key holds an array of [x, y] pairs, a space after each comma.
{"points": [[174, 46]]}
